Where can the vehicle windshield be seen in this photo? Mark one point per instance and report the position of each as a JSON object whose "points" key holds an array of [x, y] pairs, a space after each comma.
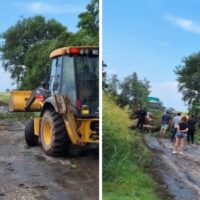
{"points": [[80, 80], [87, 76], [87, 70]]}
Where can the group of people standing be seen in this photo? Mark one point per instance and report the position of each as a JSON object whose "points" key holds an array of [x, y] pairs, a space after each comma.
{"points": [[181, 127]]}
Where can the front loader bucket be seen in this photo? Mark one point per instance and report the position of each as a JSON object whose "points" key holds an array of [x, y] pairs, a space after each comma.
{"points": [[18, 101]]}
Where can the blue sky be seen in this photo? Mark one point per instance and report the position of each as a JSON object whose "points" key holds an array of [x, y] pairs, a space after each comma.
{"points": [[63, 11], [151, 37]]}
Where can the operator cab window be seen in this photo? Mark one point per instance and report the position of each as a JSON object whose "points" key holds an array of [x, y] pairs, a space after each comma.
{"points": [[68, 86], [55, 79], [53, 73]]}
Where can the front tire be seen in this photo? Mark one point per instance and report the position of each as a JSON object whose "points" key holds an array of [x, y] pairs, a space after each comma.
{"points": [[30, 138], [54, 137]]}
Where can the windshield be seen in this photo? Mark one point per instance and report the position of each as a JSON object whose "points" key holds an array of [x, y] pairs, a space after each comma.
{"points": [[68, 85], [87, 69], [87, 76], [80, 80]]}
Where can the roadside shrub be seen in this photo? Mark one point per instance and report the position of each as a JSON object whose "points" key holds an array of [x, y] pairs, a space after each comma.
{"points": [[124, 157], [18, 116]]}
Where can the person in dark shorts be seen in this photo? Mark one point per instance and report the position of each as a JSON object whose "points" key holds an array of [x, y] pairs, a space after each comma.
{"points": [[180, 134], [141, 114], [165, 121], [191, 129]]}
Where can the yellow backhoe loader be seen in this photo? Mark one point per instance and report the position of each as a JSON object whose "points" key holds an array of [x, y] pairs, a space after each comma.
{"points": [[68, 102]]}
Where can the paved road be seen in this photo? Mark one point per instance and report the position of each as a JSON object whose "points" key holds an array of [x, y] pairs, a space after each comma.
{"points": [[181, 174], [29, 174]]}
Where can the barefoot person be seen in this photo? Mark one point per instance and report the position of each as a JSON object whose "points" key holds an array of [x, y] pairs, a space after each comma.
{"points": [[165, 121], [180, 134]]}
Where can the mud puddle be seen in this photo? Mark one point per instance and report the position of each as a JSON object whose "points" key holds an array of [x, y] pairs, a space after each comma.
{"points": [[28, 173], [180, 173]]}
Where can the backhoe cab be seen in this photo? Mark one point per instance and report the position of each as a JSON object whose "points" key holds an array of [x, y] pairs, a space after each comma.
{"points": [[68, 102]]}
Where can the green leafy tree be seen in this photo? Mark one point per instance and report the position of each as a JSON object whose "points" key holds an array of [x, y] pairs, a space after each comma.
{"points": [[188, 79], [134, 92], [88, 33], [104, 76], [21, 38], [26, 45], [113, 85], [195, 109], [89, 23], [36, 59]]}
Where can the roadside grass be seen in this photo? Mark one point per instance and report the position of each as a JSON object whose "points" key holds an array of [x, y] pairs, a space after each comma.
{"points": [[197, 136], [4, 97], [18, 116], [125, 158]]}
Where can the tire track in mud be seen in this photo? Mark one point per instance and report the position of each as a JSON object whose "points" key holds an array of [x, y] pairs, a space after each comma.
{"points": [[180, 173], [28, 173]]}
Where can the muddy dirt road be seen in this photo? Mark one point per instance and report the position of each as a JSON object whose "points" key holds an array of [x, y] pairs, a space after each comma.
{"points": [[180, 173], [28, 173], [3, 108]]}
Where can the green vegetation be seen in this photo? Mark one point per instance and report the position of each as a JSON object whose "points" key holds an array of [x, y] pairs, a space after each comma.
{"points": [[124, 158], [4, 97], [131, 92], [197, 136], [26, 45], [17, 116], [188, 81]]}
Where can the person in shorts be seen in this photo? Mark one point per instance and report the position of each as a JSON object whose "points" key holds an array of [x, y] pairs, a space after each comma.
{"points": [[180, 135], [165, 121], [175, 122]]}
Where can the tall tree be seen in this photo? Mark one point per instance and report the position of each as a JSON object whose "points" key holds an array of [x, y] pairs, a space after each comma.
{"points": [[20, 38], [88, 25], [104, 76], [188, 79], [113, 85], [37, 57], [134, 92], [26, 45]]}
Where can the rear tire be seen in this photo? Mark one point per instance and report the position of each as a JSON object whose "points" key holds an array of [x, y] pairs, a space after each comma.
{"points": [[54, 138], [30, 138]]}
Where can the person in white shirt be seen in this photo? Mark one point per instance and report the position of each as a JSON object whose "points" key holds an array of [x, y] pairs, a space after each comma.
{"points": [[175, 124]]}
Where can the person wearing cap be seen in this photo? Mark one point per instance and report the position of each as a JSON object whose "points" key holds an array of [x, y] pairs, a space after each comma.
{"points": [[165, 121]]}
